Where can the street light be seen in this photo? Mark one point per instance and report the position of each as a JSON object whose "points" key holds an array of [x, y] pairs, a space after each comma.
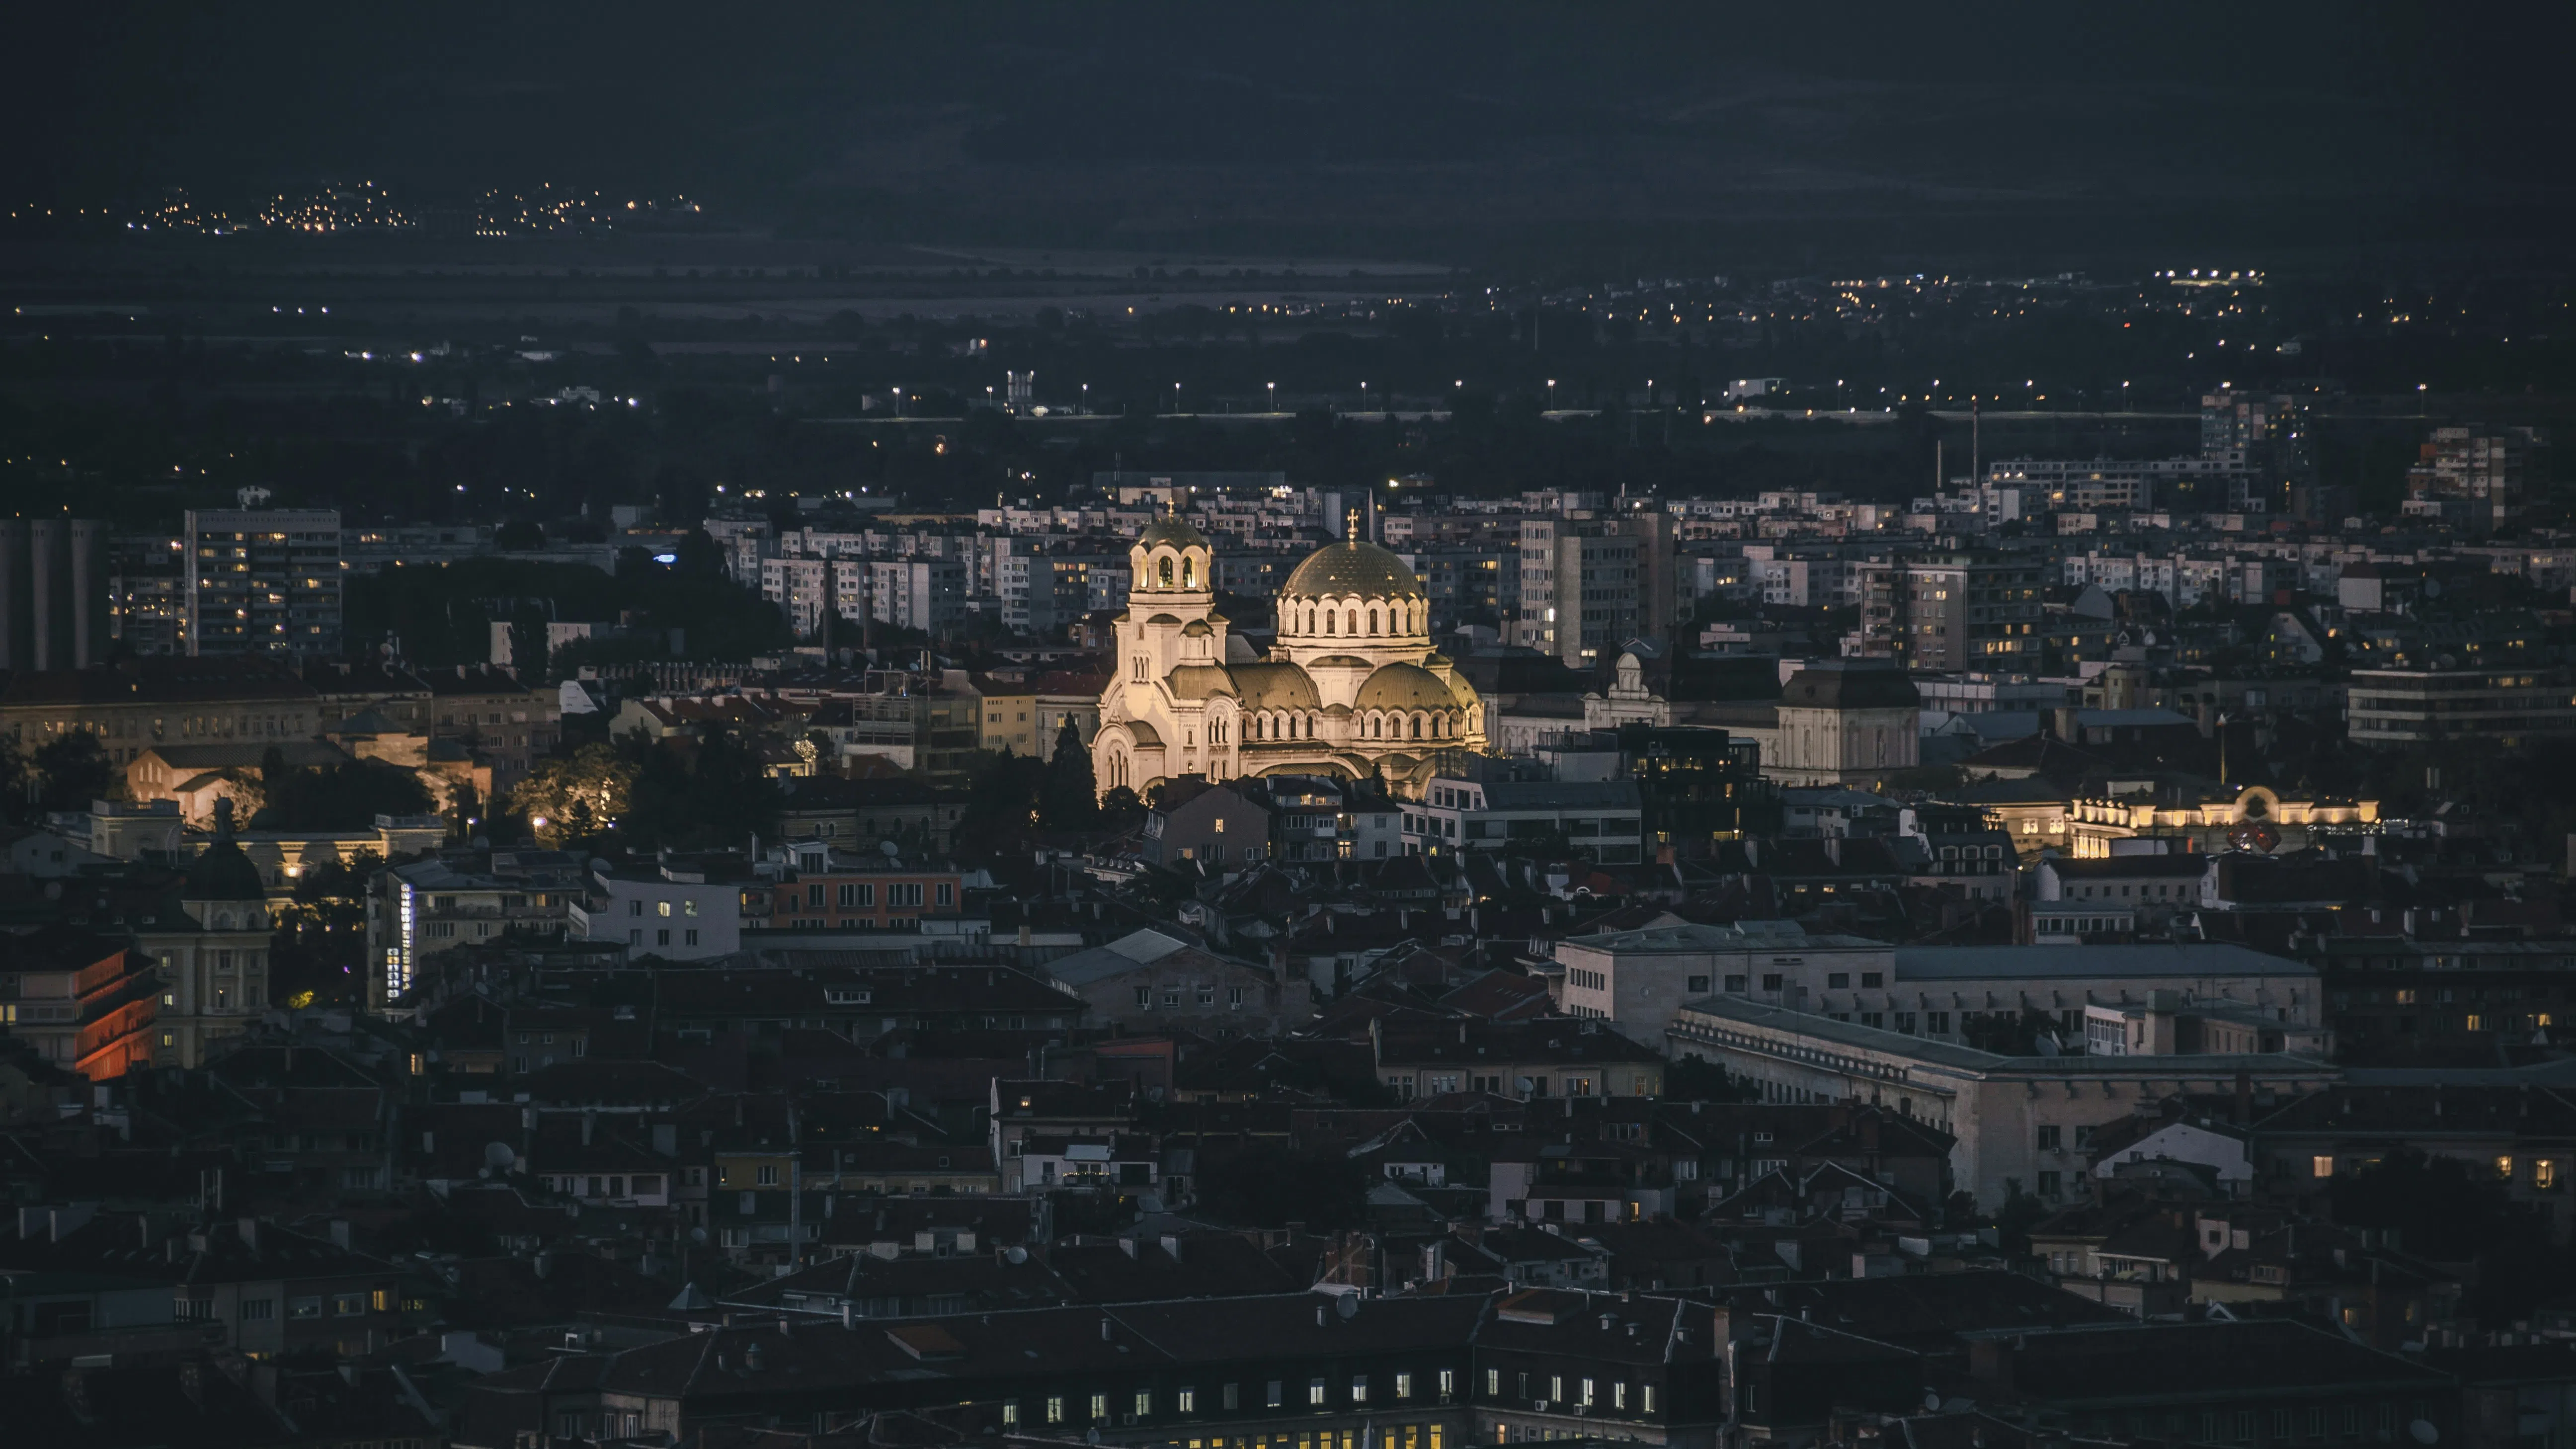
{"points": [[1551, 394], [1274, 395]]}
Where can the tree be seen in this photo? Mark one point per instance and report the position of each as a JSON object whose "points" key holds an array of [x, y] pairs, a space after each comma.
{"points": [[1069, 802], [570, 801], [714, 793], [344, 797], [1001, 802], [2454, 1210], [72, 770], [13, 774], [1707, 1082], [1120, 809]]}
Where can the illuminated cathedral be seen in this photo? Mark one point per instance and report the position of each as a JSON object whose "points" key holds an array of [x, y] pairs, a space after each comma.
{"points": [[1352, 687]]}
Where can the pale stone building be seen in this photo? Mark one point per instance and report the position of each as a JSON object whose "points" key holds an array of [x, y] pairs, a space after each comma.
{"points": [[1352, 687]]}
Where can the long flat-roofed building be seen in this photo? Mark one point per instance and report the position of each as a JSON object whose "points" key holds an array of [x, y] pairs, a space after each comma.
{"points": [[2022, 1123], [1638, 979]]}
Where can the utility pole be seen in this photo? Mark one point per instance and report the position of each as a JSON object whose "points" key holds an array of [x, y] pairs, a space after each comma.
{"points": [[1976, 443]]}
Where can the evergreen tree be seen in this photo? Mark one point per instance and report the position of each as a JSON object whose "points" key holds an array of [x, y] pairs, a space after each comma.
{"points": [[1069, 803]]}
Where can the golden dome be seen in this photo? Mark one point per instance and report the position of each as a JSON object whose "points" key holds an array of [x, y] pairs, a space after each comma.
{"points": [[1172, 529], [1405, 687], [1345, 570]]}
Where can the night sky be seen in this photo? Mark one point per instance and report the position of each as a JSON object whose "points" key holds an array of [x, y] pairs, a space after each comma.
{"points": [[1459, 132]]}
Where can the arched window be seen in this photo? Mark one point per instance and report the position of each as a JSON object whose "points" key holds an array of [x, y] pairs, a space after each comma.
{"points": [[1189, 572], [1417, 727], [1165, 573], [1372, 621], [1328, 621], [1355, 621], [1310, 621]]}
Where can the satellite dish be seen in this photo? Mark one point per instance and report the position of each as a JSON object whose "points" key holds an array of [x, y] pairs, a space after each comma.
{"points": [[891, 849], [1932, 1401], [1348, 1306], [2423, 1432], [1015, 1256], [499, 1156]]}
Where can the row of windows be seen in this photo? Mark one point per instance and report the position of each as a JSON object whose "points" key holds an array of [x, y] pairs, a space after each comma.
{"points": [[862, 895], [1172, 997], [1319, 1393], [1771, 981], [264, 1310]]}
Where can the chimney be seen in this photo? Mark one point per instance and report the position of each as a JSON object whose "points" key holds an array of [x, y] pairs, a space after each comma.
{"points": [[248, 1231], [1127, 1246], [1172, 1244], [1104, 1331], [589, 1123], [849, 1314]]}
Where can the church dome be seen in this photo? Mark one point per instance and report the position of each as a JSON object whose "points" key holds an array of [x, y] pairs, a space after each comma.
{"points": [[1345, 570], [222, 873], [1200, 681], [1172, 529], [1405, 687], [1275, 686]]}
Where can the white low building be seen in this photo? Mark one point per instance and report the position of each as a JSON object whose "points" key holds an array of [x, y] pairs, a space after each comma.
{"points": [[2023, 1123], [1637, 979], [674, 911]]}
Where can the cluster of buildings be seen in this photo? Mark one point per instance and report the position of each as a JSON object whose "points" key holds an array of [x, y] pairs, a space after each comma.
{"points": [[1311, 1140], [1912, 1008]]}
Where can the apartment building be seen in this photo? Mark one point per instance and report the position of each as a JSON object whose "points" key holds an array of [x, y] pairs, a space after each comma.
{"points": [[1600, 821], [1953, 611], [262, 581], [1588, 586], [675, 909], [2512, 708], [421, 908]]}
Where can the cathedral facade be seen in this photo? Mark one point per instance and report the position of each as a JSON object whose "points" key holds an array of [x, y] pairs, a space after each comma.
{"points": [[1351, 687]]}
